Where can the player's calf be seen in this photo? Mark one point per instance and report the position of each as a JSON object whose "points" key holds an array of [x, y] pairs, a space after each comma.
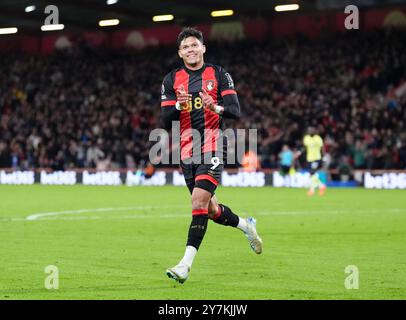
{"points": [[198, 226], [225, 216], [197, 230]]}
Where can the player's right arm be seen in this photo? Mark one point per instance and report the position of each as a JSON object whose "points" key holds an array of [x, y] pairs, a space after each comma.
{"points": [[303, 149], [169, 112], [306, 140]]}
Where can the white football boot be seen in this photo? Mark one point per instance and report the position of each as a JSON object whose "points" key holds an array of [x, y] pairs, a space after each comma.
{"points": [[253, 238], [180, 272]]}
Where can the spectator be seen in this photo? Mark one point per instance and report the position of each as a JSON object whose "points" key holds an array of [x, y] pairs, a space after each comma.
{"points": [[52, 107], [286, 159]]}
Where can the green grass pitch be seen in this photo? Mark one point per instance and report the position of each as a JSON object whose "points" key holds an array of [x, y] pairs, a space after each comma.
{"points": [[116, 243]]}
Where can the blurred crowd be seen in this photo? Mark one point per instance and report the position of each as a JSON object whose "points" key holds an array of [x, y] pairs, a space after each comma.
{"points": [[95, 109]]}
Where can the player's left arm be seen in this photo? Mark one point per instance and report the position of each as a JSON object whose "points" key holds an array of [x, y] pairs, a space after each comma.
{"points": [[322, 147], [230, 107]]}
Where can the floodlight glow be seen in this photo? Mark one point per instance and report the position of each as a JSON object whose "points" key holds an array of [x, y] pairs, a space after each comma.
{"points": [[8, 30], [222, 13], [109, 23], [287, 7], [29, 8], [52, 27], [164, 17]]}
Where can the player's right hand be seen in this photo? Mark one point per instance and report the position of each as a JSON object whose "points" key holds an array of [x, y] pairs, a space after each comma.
{"points": [[182, 96]]}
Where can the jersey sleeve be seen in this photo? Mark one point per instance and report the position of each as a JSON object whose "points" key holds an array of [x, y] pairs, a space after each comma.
{"points": [[168, 100], [168, 96], [321, 142], [306, 141], [230, 98]]}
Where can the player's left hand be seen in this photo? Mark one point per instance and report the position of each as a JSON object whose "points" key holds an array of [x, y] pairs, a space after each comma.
{"points": [[208, 101]]}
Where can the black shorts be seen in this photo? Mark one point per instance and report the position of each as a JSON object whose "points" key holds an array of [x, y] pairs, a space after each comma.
{"points": [[314, 166], [204, 176]]}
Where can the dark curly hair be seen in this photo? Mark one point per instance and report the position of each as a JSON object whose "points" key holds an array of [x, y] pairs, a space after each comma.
{"points": [[189, 32]]}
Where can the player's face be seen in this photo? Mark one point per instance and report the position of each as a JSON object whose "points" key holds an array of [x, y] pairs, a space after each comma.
{"points": [[191, 50]]}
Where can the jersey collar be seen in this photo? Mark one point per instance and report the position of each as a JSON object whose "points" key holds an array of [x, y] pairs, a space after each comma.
{"points": [[195, 71]]}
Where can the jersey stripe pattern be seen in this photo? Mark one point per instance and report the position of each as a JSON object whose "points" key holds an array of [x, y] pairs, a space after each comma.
{"points": [[219, 85]]}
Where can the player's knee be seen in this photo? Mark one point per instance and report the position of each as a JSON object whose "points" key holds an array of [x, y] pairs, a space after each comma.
{"points": [[199, 203]]}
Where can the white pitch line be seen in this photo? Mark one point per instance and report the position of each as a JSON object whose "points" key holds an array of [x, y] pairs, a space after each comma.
{"points": [[162, 216], [113, 217], [56, 213], [37, 216], [177, 215]]}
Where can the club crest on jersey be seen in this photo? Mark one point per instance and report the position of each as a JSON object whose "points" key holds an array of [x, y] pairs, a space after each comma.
{"points": [[209, 85]]}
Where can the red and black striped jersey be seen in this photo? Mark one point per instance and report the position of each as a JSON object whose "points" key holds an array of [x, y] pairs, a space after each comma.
{"points": [[219, 85]]}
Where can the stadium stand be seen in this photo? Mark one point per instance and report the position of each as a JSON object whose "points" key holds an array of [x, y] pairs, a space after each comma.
{"points": [[95, 109]]}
